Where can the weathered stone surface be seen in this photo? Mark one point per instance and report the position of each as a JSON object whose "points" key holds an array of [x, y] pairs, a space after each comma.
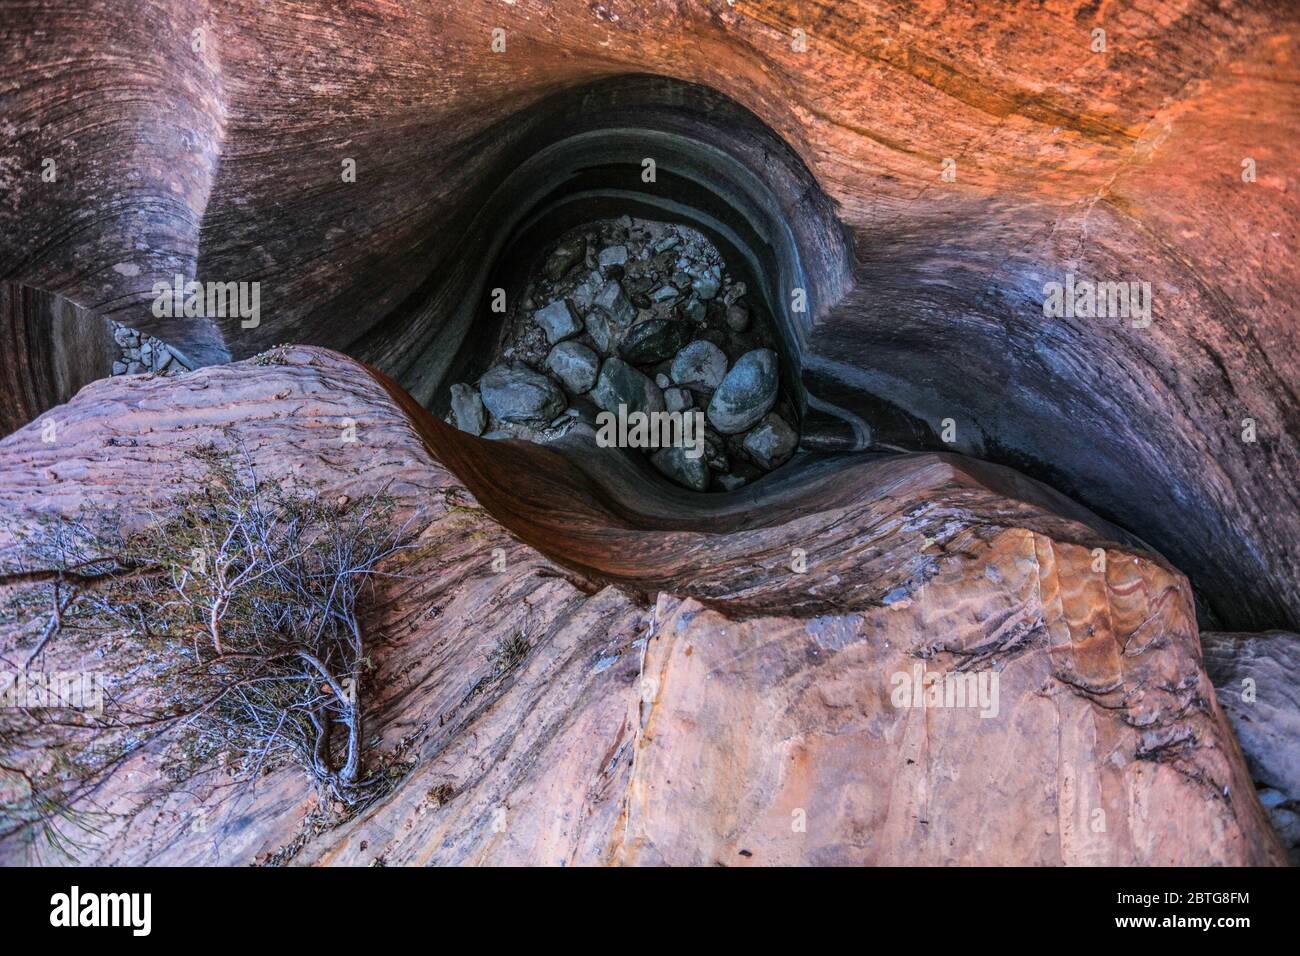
{"points": [[1114, 166], [602, 331], [1103, 172], [758, 693], [771, 442], [779, 713], [706, 286], [50, 350], [621, 384], [564, 257], [585, 292], [700, 365], [737, 317], [677, 466], [614, 302], [613, 256], [467, 409], [678, 399], [557, 321], [746, 394], [1109, 165], [575, 365], [518, 394]]}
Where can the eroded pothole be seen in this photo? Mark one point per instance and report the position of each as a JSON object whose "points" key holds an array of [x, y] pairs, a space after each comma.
{"points": [[638, 316]]}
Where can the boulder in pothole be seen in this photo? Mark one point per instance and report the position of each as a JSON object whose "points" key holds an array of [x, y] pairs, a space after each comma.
{"points": [[647, 316], [746, 394], [516, 393]]}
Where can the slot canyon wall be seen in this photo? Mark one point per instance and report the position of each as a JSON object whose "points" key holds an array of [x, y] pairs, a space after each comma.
{"points": [[685, 697], [214, 141], [225, 163]]}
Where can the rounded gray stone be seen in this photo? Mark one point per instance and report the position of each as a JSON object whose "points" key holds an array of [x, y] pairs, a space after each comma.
{"points": [[674, 464], [746, 394]]}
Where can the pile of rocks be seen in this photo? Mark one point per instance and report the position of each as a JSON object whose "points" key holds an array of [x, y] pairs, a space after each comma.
{"points": [[143, 353], [645, 315]]}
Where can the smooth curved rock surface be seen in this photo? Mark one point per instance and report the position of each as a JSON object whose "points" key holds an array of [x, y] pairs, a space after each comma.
{"points": [[516, 393], [49, 349], [925, 291], [746, 394], [799, 606]]}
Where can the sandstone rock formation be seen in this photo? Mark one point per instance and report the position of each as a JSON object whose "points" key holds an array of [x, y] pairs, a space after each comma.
{"points": [[695, 688], [819, 136], [907, 190]]}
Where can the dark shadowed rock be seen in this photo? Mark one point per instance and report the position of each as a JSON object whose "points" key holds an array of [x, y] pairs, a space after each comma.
{"points": [[654, 340], [715, 450], [621, 384], [516, 393], [738, 316], [746, 394], [674, 464], [564, 257], [1257, 682]]}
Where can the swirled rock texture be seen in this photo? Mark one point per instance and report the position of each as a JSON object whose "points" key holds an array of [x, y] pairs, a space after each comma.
{"points": [[921, 172], [697, 687]]}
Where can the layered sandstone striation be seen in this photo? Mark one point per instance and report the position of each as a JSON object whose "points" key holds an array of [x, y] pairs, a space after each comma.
{"points": [[694, 688], [214, 141]]}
